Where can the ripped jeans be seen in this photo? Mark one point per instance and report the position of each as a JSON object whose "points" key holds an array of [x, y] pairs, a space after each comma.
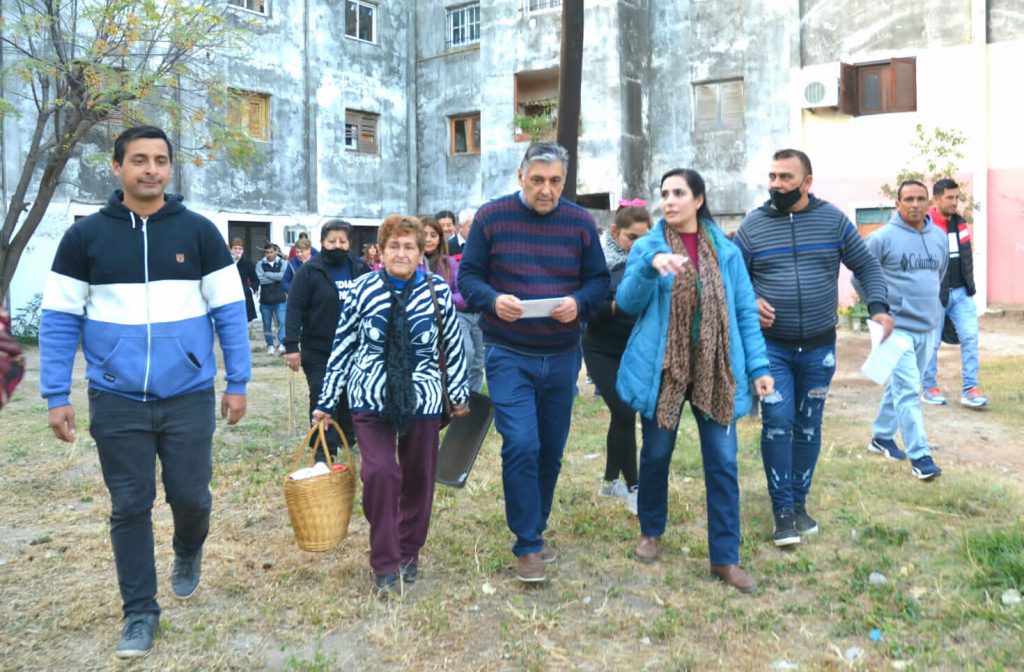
{"points": [[791, 420]]}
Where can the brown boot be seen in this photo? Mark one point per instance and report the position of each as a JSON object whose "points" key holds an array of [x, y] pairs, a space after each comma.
{"points": [[547, 553], [735, 577], [530, 568], [647, 549]]}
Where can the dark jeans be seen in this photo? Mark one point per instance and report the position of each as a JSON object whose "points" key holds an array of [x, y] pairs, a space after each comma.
{"points": [[722, 491], [314, 365], [532, 396], [398, 487], [129, 436], [791, 420], [620, 444]]}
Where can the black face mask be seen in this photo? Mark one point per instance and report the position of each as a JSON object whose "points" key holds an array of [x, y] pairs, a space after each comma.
{"points": [[784, 200], [334, 257]]}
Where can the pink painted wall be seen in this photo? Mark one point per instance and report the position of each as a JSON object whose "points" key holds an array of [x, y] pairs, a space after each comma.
{"points": [[1006, 236]]}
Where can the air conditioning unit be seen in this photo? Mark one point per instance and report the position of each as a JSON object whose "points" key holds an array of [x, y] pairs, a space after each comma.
{"points": [[819, 86]]}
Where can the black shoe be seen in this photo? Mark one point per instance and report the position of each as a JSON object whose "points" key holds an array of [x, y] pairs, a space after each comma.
{"points": [[185, 575], [804, 523], [785, 529], [388, 584], [137, 635], [410, 572]]}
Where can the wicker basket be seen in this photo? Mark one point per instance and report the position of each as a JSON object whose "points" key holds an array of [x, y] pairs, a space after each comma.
{"points": [[320, 507]]}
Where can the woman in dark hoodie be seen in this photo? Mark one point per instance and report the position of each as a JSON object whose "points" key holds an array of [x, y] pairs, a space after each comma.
{"points": [[603, 345], [314, 304]]}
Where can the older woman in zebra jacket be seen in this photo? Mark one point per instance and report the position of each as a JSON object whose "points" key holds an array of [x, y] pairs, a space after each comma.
{"points": [[385, 355]]}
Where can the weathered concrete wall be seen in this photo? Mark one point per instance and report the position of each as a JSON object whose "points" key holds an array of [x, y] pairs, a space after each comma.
{"points": [[833, 30], [700, 41], [634, 37], [277, 185], [1005, 20], [447, 84]]}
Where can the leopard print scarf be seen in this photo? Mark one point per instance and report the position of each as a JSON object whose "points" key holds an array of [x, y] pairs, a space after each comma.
{"points": [[697, 350]]}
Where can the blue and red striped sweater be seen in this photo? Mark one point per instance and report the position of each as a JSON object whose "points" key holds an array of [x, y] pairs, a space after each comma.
{"points": [[512, 249]]}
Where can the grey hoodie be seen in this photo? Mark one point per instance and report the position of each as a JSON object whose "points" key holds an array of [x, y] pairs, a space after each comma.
{"points": [[913, 263]]}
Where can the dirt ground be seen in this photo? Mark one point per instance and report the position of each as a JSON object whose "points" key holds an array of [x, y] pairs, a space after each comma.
{"points": [[957, 434]]}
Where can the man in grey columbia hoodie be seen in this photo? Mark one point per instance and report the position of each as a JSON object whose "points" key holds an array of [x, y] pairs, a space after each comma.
{"points": [[914, 256]]}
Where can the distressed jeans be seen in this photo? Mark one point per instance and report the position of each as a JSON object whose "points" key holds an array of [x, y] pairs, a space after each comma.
{"points": [[964, 315], [130, 435], [791, 420], [900, 408], [721, 484], [533, 397]]}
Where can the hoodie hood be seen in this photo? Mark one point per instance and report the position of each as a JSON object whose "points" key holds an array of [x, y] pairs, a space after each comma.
{"points": [[116, 209], [770, 210]]}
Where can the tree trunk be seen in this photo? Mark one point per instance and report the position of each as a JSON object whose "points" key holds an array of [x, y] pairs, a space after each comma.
{"points": [[569, 86]]}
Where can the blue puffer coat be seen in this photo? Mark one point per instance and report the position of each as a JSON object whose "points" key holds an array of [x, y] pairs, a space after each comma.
{"points": [[645, 293]]}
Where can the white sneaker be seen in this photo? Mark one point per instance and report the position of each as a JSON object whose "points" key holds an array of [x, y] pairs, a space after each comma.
{"points": [[280, 349], [270, 350], [631, 499]]}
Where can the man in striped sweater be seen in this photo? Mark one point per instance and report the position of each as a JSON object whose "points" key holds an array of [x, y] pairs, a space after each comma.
{"points": [[793, 245], [143, 283], [529, 245]]}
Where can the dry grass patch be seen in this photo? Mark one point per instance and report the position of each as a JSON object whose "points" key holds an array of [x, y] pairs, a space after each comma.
{"points": [[948, 551]]}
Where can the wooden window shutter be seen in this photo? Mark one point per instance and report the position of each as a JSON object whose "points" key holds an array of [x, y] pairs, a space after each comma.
{"points": [[705, 103], [368, 133], [903, 95], [733, 108], [848, 89]]}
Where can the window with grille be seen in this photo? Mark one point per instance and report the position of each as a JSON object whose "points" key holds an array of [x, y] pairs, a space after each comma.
{"points": [[718, 105], [258, 6], [463, 25], [361, 20], [541, 5], [465, 134], [361, 131], [249, 111]]}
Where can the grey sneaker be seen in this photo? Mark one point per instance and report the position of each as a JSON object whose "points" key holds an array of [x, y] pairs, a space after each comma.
{"points": [[804, 524], [137, 635], [785, 529], [185, 575]]}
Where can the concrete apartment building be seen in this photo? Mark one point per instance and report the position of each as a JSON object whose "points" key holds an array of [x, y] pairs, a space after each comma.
{"points": [[363, 108]]}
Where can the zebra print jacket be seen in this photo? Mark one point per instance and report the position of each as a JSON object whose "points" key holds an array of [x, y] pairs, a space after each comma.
{"points": [[356, 364]]}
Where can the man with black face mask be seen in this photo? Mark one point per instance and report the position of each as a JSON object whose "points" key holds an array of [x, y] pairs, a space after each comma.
{"points": [[793, 245]]}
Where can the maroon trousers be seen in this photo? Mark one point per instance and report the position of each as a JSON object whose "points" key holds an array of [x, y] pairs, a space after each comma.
{"points": [[398, 487]]}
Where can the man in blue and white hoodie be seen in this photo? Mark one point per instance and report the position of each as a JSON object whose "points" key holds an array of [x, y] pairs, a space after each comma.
{"points": [[139, 283], [914, 256]]}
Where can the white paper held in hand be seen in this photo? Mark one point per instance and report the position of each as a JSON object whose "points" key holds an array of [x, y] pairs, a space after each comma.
{"points": [[540, 307], [884, 355]]}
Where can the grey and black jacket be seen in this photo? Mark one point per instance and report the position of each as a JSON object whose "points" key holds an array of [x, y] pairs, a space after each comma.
{"points": [[793, 260]]}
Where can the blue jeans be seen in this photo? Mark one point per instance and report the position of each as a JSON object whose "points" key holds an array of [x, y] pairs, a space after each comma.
{"points": [[791, 420], [268, 313], [964, 315], [722, 490], [129, 436], [901, 402], [473, 343], [532, 396]]}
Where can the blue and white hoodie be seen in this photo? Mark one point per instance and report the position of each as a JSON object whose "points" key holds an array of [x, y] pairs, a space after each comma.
{"points": [[141, 292]]}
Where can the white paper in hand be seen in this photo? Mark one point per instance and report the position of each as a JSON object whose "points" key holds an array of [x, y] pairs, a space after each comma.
{"points": [[884, 356], [540, 307]]}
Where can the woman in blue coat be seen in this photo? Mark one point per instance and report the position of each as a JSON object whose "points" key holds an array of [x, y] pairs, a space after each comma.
{"points": [[697, 338]]}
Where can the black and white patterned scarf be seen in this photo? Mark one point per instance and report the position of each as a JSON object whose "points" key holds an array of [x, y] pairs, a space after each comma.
{"points": [[400, 397]]}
